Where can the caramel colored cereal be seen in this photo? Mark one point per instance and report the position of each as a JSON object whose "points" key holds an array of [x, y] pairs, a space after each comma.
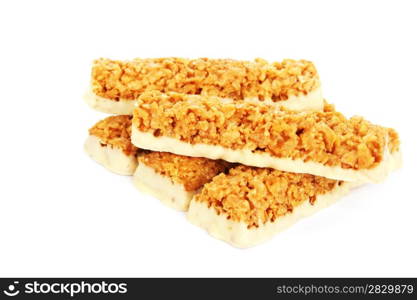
{"points": [[192, 172], [324, 137], [115, 131], [259, 195], [226, 78]]}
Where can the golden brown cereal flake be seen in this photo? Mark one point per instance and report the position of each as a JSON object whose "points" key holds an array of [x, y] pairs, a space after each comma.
{"points": [[115, 131], [327, 107], [192, 172], [224, 78], [259, 195], [324, 137]]}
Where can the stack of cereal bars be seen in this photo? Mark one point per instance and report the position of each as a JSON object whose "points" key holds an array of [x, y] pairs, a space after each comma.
{"points": [[245, 148]]}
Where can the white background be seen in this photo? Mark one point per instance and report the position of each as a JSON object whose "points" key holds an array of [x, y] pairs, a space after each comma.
{"points": [[61, 214]]}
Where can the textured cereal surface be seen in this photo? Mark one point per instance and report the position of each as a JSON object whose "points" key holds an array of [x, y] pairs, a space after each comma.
{"points": [[192, 172], [226, 78], [115, 131], [324, 137], [258, 195]]}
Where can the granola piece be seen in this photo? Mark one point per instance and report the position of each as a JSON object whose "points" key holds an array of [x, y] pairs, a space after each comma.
{"points": [[291, 83], [175, 179], [109, 144], [249, 205], [320, 143]]}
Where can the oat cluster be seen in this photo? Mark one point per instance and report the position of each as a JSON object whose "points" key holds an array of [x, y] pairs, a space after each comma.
{"points": [[325, 137], [115, 131], [226, 78], [191, 172], [259, 195]]}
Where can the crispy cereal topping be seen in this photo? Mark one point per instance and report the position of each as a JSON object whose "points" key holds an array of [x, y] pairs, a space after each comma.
{"points": [[192, 172], [324, 137], [258, 195], [115, 131], [224, 78]]}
